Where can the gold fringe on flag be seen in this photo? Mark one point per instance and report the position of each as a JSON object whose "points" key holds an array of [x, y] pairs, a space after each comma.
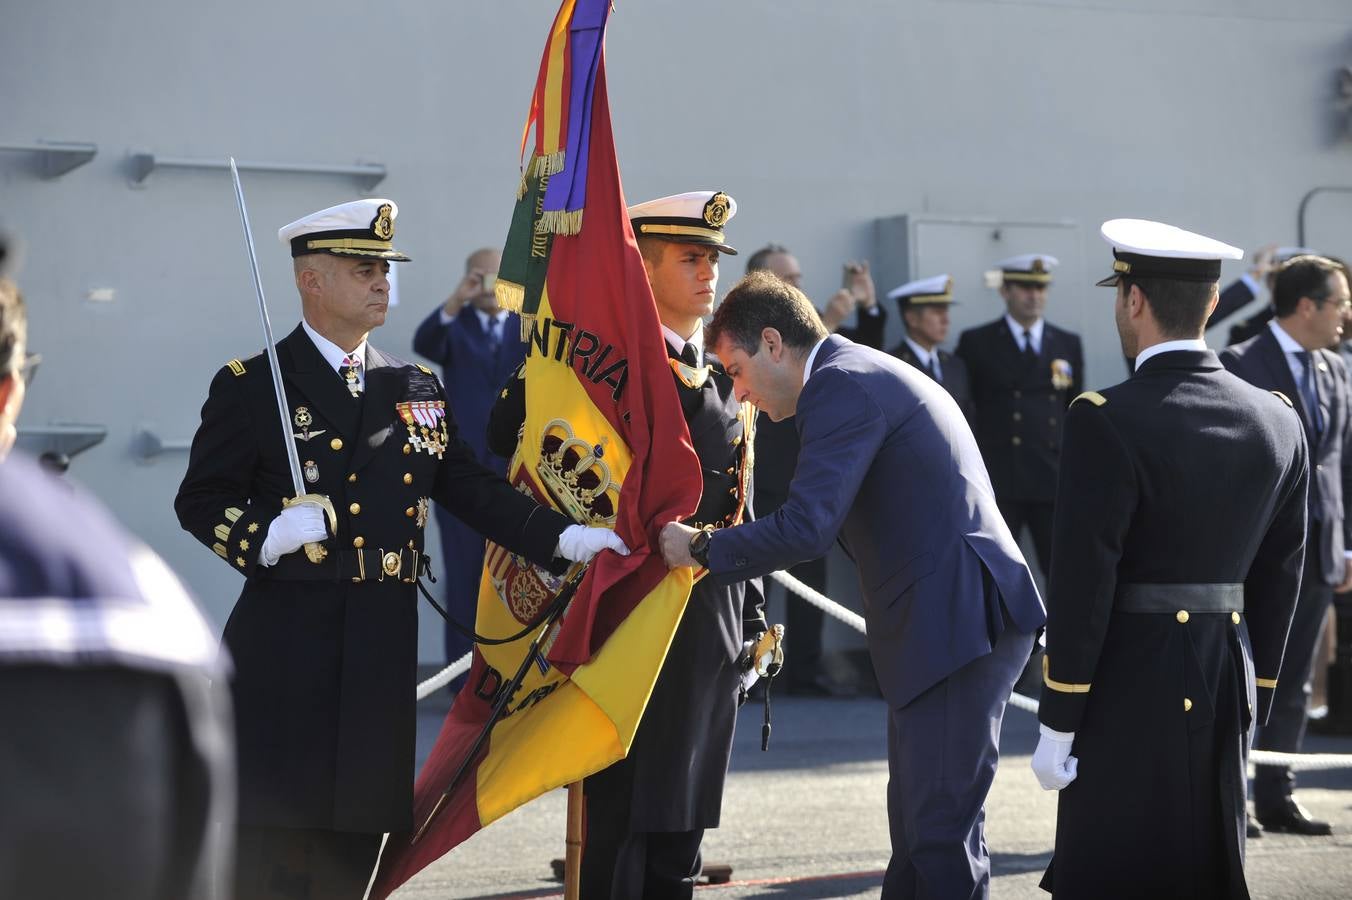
{"points": [[548, 163], [511, 296], [559, 221]]}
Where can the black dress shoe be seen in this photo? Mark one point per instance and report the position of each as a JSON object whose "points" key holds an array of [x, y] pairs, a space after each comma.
{"points": [[1251, 827], [1292, 818]]}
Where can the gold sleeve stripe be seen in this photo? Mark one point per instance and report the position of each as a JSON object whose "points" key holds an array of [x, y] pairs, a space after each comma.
{"points": [[1093, 397], [1269, 683], [1061, 686], [222, 532], [233, 513], [236, 366], [220, 550]]}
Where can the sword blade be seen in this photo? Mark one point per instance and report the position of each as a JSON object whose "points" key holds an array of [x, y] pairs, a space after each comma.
{"points": [[292, 457]]}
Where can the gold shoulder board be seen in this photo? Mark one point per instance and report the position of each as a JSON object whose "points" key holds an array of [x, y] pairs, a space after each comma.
{"points": [[1093, 397], [1285, 399], [424, 368], [238, 368]]}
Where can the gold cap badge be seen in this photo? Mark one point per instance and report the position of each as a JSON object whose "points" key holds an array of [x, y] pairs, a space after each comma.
{"points": [[716, 210], [382, 226]]}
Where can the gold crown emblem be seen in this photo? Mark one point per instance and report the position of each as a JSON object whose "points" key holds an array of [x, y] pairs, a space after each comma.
{"points": [[948, 286], [382, 226], [1038, 265], [576, 476], [716, 210]]}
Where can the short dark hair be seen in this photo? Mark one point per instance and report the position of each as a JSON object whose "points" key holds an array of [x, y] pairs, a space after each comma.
{"points": [[13, 327], [762, 300], [1302, 276], [1180, 307], [757, 262]]}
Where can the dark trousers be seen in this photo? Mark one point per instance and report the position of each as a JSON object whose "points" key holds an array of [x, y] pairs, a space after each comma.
{"points": [[1037, 515], [803, 622], [1285, 728], [303, 863], [942, 749], [620, 864], [109, 781]]}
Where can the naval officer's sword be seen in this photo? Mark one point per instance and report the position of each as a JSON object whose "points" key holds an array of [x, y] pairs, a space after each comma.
{"points": [[314, 551]]}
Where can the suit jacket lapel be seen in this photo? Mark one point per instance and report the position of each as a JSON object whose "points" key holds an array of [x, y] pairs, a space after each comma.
{"points": [[383, 388], [1270, 352], [315, 380]]}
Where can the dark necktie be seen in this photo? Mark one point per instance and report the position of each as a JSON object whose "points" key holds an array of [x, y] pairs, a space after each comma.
{"points": [[689, 356], [929, 367], [1029, 354], [350, 371], [494, 335], [1309, 390]]}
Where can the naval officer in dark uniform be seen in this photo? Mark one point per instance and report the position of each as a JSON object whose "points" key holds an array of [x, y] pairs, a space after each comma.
{"points": [[924, 311], [1024, 372], [647, 813], [1180, 525], [326, 651]]}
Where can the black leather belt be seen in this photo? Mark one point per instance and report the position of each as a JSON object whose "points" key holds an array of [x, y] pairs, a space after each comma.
{"points": [[1171, 598]]}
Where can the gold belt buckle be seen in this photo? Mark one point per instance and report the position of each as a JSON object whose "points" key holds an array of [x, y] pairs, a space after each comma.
{"points": [[389, 564]]}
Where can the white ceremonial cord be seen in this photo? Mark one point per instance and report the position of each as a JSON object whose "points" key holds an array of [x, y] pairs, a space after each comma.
{"points": [[1301, 761]]}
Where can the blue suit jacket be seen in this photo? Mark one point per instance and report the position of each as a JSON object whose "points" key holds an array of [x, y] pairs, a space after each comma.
{"points": [[1261, 362], [888, 464]]}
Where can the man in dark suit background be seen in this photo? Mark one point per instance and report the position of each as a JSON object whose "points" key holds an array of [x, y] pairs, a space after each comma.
{"points": [[1310, 298], [1180, 521], [777, 455], [888, 466], [924, 310], [477, 344], [1024, 372]]}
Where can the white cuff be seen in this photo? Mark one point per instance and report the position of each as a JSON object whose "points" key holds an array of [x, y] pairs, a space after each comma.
{"points": [[442, 317], [1051, 734]]}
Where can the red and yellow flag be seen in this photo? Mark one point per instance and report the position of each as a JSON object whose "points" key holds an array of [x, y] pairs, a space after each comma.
{"points": [[604, 441]]}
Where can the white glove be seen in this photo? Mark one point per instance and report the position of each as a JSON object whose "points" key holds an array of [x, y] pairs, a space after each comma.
{"points": [[1052, 763], [294, 527], [580, 543], [749, 675]]}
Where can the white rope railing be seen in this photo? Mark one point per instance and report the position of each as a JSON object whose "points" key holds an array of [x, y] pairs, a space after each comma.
{"points": [[444, 677], [1301, 761]]}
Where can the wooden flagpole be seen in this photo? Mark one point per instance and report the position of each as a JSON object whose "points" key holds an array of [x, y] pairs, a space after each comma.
{"points": [[572, 863]]}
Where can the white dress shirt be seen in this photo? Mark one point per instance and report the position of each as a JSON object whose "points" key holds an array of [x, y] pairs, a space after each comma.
{"points": [[1034, 333], [1166, 346], [928, 358], [334, 355]]}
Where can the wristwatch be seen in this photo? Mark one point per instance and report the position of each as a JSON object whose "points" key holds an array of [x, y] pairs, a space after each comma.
{"points": [[699, 545]]}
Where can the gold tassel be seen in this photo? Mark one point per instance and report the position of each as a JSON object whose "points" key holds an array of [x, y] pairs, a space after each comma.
{"points": [[521, 186], [560, 221], [549, 163], [510, 295], [527, 323]]}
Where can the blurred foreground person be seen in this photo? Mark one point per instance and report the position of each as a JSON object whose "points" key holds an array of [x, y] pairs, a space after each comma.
{"points": [[116, 769], [1180, 521]]}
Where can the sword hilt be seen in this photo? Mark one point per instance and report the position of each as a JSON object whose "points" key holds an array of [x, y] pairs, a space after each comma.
{"points": [[315, 551]]}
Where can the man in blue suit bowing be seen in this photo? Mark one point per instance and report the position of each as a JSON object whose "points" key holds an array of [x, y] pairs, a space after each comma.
{"points": [[889, 467]]}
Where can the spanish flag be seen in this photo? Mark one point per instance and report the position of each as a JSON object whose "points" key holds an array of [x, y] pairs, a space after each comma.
{"points": [[604, 441]]}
